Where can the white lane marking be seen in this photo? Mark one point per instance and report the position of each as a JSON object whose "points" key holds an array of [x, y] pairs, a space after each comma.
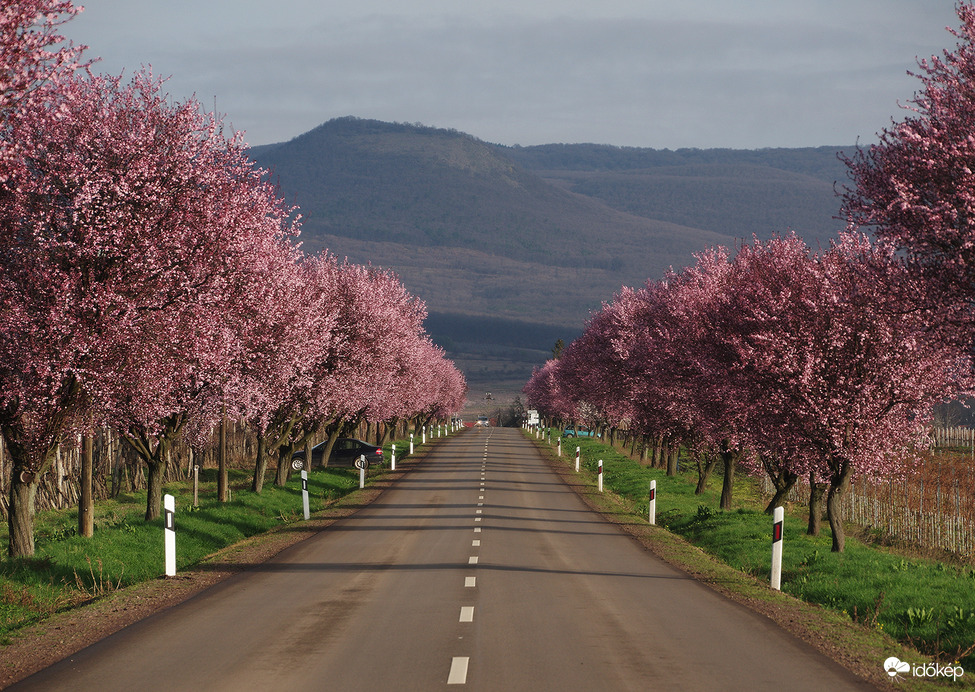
{"points": [[480, 504], [478, 511], [472, 560], [477, 518], [467, 614], [458, 670], [475, 544], [477, 529], [470, 582]]}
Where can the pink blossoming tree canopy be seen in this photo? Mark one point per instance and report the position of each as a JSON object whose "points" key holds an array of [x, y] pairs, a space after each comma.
{"points": [[132, 230], [916, 186], [300, 335], [822, 364], [849, 368], [31, 55]]}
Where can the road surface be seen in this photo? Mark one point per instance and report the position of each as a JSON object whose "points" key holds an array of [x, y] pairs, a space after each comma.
{"points": [[478, 570]]}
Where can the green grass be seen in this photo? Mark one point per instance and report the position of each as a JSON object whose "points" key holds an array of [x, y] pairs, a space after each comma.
{"points": [[68, 570], [926, 604]]}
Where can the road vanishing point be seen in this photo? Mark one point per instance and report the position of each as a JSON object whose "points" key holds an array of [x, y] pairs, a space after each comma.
{"points": [[480, 569]]}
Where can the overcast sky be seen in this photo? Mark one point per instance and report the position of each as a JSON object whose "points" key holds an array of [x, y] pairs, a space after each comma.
{"points": [[649, 73]]}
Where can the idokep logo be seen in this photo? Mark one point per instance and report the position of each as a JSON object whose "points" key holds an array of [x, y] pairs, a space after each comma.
{"points": [[896, 667]]}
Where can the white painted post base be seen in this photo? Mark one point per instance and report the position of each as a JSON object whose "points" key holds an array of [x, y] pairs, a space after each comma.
{"points": [[778, 519], [304, 494], [169, 531], [652, 509]]}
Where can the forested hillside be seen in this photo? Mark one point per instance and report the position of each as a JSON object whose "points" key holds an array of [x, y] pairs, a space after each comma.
{"points": [[541, 235]]}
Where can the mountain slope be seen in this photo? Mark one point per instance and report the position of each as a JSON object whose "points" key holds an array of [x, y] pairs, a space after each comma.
{"points": [[529, 240], [361, 181]]}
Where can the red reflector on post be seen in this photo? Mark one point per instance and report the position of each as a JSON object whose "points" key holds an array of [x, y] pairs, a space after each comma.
{"points": [[777, 531]]}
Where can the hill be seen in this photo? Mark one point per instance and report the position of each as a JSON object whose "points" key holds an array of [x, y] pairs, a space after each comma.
{"points": [[529, 240]]}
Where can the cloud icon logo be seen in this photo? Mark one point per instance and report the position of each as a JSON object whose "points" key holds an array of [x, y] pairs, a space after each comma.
{"points": [[894, 665]]}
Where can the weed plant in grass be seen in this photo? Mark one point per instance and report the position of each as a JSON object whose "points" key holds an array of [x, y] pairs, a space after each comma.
{"points": [[68, 570], [926, 604]]}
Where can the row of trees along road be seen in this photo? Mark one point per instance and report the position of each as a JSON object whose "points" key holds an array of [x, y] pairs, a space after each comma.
{"points": [[797, 364], [149, 281]]}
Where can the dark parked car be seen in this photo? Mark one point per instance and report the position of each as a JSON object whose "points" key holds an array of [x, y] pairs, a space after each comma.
{"points": [[345, 453]]}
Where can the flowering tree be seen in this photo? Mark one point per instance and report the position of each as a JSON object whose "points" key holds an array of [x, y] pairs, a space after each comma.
{"points": [[819, 364], [131, 227], [544, 392], [844, 369], [916, 186], [32, 56], [300, 334]]}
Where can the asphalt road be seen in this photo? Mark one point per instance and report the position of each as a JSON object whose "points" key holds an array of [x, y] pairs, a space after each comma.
{"points": [[479, 570]]}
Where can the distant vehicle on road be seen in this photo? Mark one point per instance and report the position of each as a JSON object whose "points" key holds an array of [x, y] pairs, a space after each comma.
{"points": [[483, 421], [345, 453], [578, 432]]}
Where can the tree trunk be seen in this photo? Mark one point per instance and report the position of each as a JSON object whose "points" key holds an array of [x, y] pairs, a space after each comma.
{"points": [[327, 452], [86, 519], [260, 466], [154, 481], [704, 469], [672, 460], [837, 487], [222, 480], [816, 493], [783, 481], [23, 489], [730, 459], [284, 464]]}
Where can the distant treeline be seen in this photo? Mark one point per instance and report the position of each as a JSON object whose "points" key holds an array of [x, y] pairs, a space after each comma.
{"points": [[818, 162]]}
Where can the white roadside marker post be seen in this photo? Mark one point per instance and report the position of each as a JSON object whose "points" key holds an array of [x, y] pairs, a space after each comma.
{"points": [[599, 475], [304, 494], [196, 484], [411, 444], [778, 518], [560, 447], [424, 434], [169, 532], [392, 463], [577, 459], [362, 471], [652, 507]]}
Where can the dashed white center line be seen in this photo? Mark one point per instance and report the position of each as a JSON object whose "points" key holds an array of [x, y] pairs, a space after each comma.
{"points": [[467, 614], [458, 670], [477, 529], [472, 560], [477, 518], [475, 543], [470, 582]]}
